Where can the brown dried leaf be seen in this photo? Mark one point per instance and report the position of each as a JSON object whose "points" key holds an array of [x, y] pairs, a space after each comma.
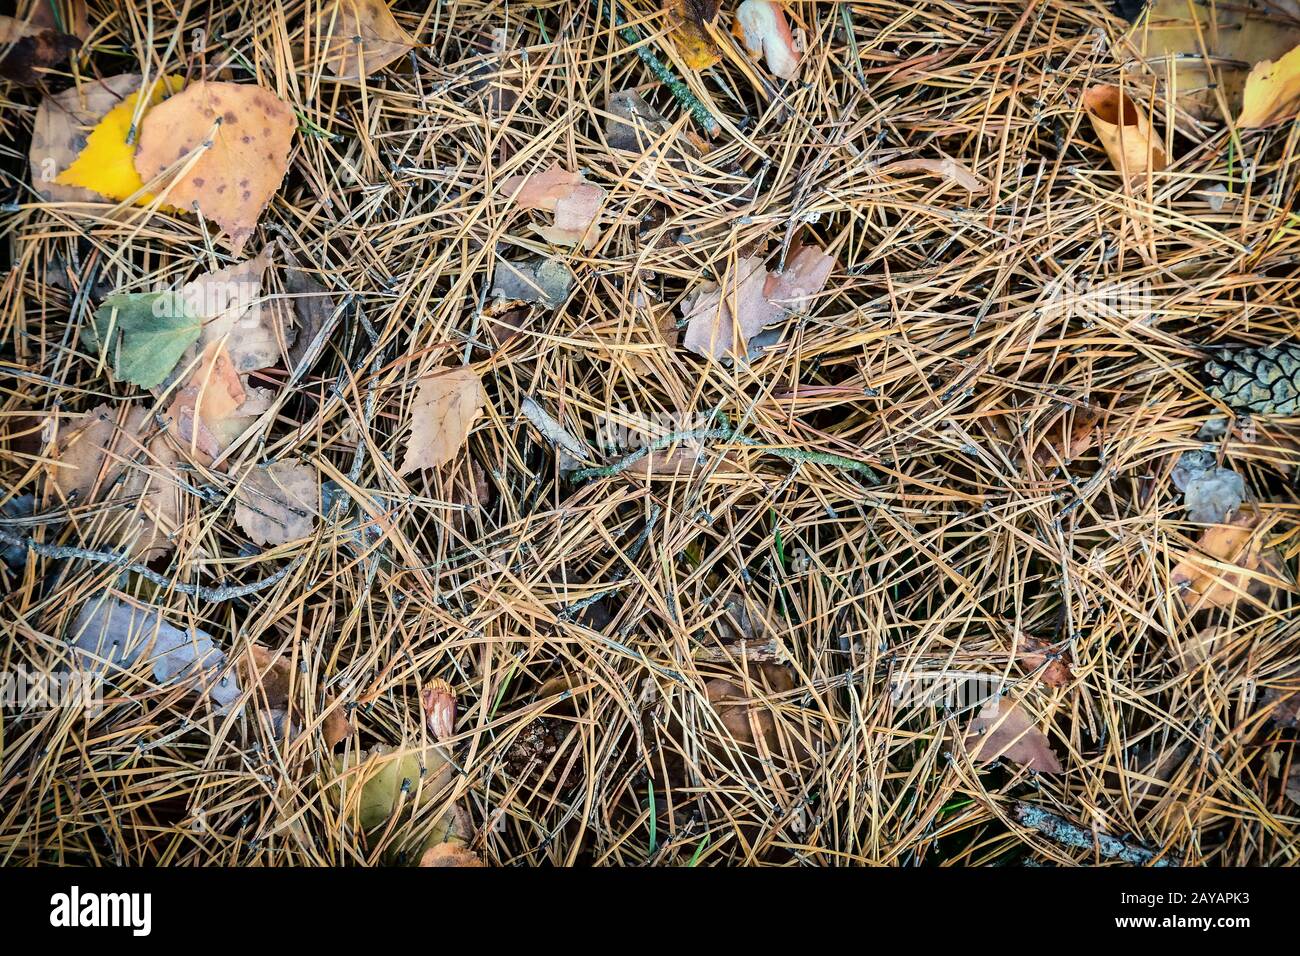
{"points": [[445, 407], [1035, 653], [450, 854], [439, 703], [1285, 707], [231, 304], [279, 503], [747, 719], [1004, 729], [273, 671], [27, 50], [382, 40], [1203, 580], [60, 129], [212, 394], [1069, 437], [1131, 144], [242, 134], [575, 202], [104, 456]]}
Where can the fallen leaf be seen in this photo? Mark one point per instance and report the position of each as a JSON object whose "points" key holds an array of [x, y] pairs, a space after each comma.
{"points": [[1003, 729], [690, 36], [360, 37], [445, 407], [575, 202], [106, 165], [1229, 564], [213, 394], [235, 313], [439, 703], [450, 854], [110, 634], [1272, 93], [1177, 37], [749, 299], [241, 134], [63, 123], [28, 50], [1070, 436], [747, 719], [572, 451], [98, 457], [65, 16], [762, 27], [947, 169], [278, 503], [544, 281], [313, 307], [144, 334], [1285, 707], [1054, 662], [633, 123], [273, 674], [715, 313], [1122, 127]]}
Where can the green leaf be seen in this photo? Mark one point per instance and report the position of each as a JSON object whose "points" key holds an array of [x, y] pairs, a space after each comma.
{"points": [[145, 334]]}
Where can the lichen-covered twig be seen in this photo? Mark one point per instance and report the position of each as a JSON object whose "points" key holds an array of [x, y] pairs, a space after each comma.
{"points": [[225, 593], [1062, 831], [680, 90], [724, 434]]}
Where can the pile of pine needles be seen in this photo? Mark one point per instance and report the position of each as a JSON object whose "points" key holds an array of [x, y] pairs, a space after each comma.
{"points": [[698, 663]]}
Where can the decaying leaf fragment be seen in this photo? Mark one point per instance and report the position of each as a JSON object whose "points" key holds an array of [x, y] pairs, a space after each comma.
{"points": [[359, 37], [241, 135], [211, 395], [1272, 93], [278, 503], [1076, 431], [749, 720], [749, 299], [1132, 145], [27, 50], [102, 456], [235, 313], [271, 677], [61, 128], [1229, 564], [109, 634], [445, 407], [574, 201], [1004, 729], [1050, 662], [762, 27], [697, 49], [947, 169]]}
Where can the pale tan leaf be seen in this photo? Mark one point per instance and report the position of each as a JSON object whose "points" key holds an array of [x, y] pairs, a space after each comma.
{"points": [[212, 394], [1230, 564], [445, 407], [278, 503], [381, 39], [947, 169], [105, 455]]}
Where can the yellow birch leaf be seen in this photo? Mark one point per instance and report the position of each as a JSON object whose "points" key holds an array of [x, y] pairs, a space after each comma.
{"points": [[1272, 92], [697, 49], [107, 164]]}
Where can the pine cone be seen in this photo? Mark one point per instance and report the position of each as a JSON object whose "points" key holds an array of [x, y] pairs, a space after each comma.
{"points": [[1265, 381]]}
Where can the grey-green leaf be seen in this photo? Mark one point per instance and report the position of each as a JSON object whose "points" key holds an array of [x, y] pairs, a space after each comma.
{"points": [[145, 334]]}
